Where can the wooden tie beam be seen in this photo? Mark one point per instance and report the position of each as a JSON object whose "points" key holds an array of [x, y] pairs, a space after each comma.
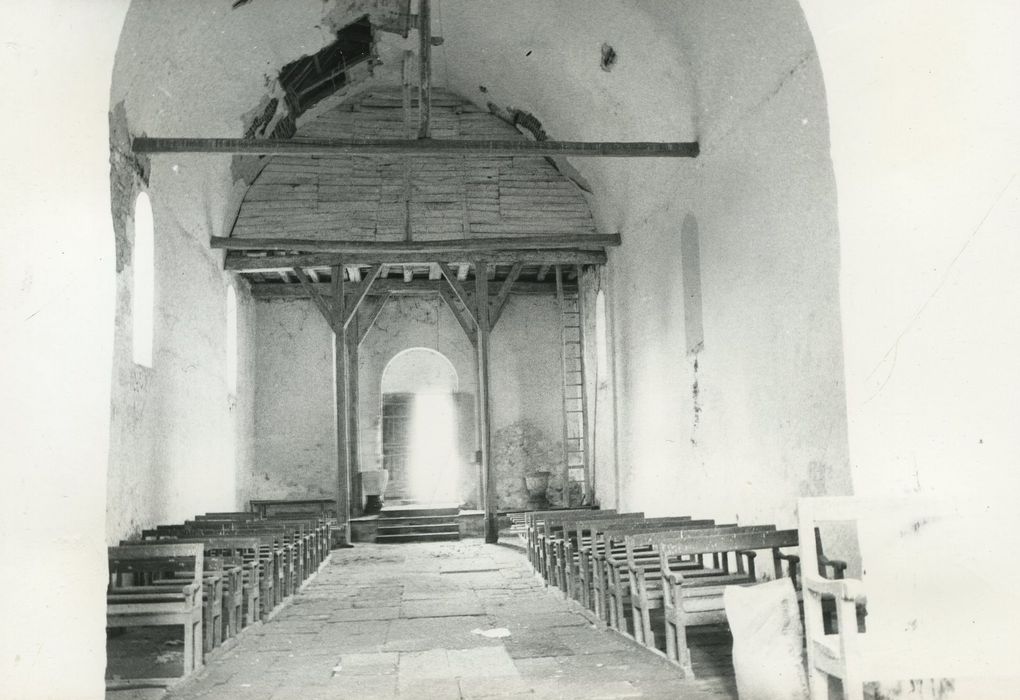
{"points": [[416, 147], [505, 243]]}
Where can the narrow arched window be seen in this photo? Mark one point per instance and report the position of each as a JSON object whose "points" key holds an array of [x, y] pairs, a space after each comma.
{"points": [[601, 339], [231, 339], [690, 261], [143, 282]]}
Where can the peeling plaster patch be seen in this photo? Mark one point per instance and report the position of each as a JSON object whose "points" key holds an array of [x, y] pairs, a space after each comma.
{"points": [[129, 173], [608, 58], [519, 449], [696, 396], [817, 481]]}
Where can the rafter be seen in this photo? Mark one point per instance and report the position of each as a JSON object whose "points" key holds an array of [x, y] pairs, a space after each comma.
{"points": [[417, 147]]}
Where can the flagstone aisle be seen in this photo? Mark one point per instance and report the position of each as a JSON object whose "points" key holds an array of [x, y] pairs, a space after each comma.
{"points": [[398, 621]]}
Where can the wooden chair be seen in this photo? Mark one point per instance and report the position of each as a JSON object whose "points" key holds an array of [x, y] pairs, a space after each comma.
{"points": [[922, 576], [134, 599]]}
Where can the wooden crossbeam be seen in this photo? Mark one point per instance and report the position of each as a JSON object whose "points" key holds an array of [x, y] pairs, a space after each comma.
{"points": [[243, 263], [397, 287], [584, 241], [459, 291], [504, 294], [417, 147]]}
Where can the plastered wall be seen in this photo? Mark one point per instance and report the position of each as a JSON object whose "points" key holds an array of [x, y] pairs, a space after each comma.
{"points": [[757, 417], [178, 435], [295, 443]]}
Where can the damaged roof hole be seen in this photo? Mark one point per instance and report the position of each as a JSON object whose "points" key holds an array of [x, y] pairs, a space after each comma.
{"points": [[313, 78], [608, 57]]}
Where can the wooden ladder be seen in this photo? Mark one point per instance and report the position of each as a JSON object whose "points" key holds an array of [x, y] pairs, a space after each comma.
{"points": [[575, 403]]}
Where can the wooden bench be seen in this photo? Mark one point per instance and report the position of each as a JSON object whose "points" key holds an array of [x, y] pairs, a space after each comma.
{"points": [[535, 533], [274, 557], [691, 600], [134, 599], [314, 507], [236, 560], [578, 543], [553, 536], [617, 565]]}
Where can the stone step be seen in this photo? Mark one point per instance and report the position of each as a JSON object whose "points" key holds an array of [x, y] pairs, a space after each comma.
{"points": [[415, 520], [417, 512], [445, 526], [418, 537]]}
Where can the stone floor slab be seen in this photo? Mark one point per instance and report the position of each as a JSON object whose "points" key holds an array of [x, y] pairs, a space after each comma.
{"points": [[395, 622]]}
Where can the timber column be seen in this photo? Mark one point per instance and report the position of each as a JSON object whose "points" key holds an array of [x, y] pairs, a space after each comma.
{"points": [[484, 413], [341, 384]]}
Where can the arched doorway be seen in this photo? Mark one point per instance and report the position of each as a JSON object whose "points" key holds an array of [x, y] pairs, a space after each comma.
{"points": [[420, 427]]}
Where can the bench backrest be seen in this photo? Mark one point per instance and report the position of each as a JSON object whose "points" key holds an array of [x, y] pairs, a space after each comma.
{"points": [[680, 543], [614, 532], [559, 521], [154, 561]]}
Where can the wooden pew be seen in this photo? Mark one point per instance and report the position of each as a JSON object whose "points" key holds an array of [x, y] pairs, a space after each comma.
{"points": [[304, 535], [579, 540], [553, 537], [134, 600], [689, 601], [275, 558], [309, 507], [650, 581], [236, 559], [613, 565], [535, 523]]}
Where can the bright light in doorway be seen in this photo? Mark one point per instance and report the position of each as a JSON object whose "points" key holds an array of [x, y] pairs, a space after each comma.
{"points": [[432, 461]]}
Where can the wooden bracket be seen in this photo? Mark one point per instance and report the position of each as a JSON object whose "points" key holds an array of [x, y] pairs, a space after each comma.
{"points": [[373, 316], [499, 303], [324, 306], [466, 323], [459, 291], [359, 294]]}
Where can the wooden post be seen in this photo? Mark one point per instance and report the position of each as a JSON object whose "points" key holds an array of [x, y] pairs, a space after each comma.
{"points": [[340, 387], [352, 335], [424, 68], [488, 480]]}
